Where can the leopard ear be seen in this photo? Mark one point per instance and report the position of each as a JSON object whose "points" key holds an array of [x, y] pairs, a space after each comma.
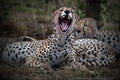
{"points": [[76, 18], [100, 25]]}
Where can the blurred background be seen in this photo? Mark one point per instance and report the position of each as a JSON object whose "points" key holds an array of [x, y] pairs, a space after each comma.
{"points": [[32, 17]]}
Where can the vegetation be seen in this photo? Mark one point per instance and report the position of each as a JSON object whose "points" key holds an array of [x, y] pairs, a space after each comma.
{"points": [[41, 10]]}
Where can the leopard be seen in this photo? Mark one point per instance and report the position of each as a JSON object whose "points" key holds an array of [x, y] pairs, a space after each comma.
{"points": [[51, 51], [6, 40], [90, 28]]}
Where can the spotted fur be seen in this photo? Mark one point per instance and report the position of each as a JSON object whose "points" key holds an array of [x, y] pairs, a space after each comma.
{"points": [[92, 52], [51, 51], [88, 28], [4, 41]]}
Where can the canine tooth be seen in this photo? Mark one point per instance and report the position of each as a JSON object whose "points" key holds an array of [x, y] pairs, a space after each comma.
{"points": [[70, 15], [63, 16]]}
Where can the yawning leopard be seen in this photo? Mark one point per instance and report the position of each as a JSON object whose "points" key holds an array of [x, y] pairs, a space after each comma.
{"points": [[53, 50]]}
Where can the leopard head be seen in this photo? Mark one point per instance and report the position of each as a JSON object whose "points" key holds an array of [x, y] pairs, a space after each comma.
{"points": [[64, 21], [87, 27]]}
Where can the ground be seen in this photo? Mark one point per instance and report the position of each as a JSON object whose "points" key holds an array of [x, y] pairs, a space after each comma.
{"points": [[23, 73]]}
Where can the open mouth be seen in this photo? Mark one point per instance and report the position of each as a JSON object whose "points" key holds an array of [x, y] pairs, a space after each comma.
{"points": [[65, 22]]}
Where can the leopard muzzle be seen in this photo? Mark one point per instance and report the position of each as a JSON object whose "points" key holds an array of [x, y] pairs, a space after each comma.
{"points": [[65, 20]]}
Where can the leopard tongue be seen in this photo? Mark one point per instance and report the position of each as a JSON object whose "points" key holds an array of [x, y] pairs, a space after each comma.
{"points": [[64, 26]]}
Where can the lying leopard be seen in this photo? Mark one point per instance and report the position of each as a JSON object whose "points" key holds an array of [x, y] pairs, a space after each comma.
{"points": [[88, 27]]}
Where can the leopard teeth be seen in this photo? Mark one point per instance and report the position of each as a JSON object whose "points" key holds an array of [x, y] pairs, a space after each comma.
{"points": [[69, 17], [63, 16]]}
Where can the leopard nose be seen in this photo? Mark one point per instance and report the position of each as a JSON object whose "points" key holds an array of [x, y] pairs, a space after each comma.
{"points": [[78, 31], [67, 12]]}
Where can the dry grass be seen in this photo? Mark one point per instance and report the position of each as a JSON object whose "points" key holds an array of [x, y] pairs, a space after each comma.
{"points": [[24, 73]]}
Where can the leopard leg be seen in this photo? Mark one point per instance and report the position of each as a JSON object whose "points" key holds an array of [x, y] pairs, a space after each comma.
{"points": [[78, 66], [34, 62], [84, 69]]}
